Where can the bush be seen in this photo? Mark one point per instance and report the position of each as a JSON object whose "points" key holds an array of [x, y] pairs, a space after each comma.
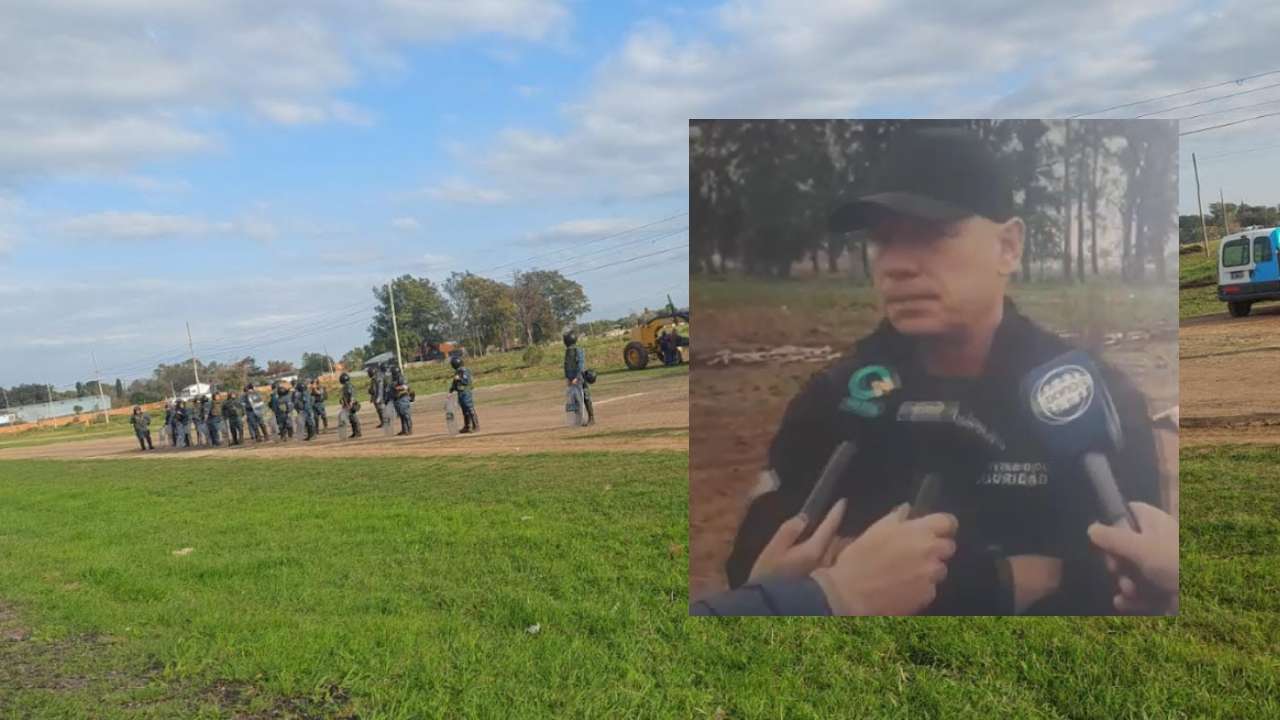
{"points": [[532, 355]]}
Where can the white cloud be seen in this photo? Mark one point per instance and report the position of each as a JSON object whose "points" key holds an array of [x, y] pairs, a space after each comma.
{"points": [[406, 224], [461, 192], [269, 320], [117, 226], [113, 225], [528, 91], [583, 229], [626, 135], [433, 263], [105, 87]]}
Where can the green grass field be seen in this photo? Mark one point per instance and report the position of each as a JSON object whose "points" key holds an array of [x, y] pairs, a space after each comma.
{"points": [[404, 588], [1199, 269]]}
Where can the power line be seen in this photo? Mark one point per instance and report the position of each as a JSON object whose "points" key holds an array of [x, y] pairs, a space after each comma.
{"points": [[628, 260], [1227, 110], [1237, 152], [1208, 100], [585, 242], [1229, 124], [1236, 81]]}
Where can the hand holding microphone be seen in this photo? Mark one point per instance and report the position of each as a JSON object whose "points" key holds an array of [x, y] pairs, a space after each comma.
{"points": [[1153, 553]]}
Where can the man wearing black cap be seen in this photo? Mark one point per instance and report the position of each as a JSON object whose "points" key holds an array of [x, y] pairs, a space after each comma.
{"points": [[943, 242]]}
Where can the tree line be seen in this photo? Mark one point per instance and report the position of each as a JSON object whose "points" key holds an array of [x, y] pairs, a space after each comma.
{"points": [[1097, 196], [478, 312], [1219, 221]]}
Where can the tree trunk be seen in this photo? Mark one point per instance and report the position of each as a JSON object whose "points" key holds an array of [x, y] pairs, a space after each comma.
{"points": [[1080, 191], [1027, 244], [1093, 207], [1066, 203]]}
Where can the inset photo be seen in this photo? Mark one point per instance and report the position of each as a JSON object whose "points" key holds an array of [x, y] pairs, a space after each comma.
{"points": [[937, 367]]}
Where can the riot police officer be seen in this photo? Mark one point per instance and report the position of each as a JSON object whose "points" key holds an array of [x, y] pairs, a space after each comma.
{"points": [[252, 402], [280, 407], [401, 396], [462, 386], [377, 393], [181, 429], [142, 427], [349, 404], [232, 410], [168, 425], [305, 406], [575, 365], [213, 417], [318, 397]]}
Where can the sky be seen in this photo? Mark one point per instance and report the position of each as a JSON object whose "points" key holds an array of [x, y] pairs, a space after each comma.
{"points": [[254, 169]]}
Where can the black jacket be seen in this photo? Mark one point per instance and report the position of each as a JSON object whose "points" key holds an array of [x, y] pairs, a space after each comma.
{"points": [[1009, 501]]}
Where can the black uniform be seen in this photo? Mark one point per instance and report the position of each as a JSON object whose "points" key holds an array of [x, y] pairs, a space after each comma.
{"points": [[1010, 499], [352, 407]]}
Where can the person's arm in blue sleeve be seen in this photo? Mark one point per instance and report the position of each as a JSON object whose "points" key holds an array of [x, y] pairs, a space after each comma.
{"points": [[775, 596]]}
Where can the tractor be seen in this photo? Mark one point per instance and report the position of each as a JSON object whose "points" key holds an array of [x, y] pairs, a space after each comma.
{"points": [[647, 340]]}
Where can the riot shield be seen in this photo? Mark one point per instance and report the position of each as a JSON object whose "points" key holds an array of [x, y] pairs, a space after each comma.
{"points": [[451, 412], [389, 420], [344, 425], [574, 407], [299, 427]]}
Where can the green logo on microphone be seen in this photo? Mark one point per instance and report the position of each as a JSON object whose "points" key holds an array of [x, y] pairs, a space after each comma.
{"points": [[866, 386]]}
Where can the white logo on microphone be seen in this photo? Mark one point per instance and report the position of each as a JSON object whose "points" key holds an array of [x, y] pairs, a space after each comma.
{"points": [[1063, 395]]}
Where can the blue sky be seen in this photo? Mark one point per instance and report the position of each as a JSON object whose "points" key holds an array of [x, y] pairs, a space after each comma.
{"points": [[256, 169]]}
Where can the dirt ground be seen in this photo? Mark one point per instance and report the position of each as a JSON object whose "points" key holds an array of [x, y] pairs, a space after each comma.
{"points": [[634, 411], [735, 408], [1226, 364]]}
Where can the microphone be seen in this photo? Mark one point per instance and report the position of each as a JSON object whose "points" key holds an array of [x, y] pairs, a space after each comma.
{"points": [[819, 500], [1074, 416], [948, 439]]}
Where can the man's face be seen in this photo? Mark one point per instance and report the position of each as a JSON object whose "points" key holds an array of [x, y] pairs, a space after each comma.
{"points": [[940, 278]]}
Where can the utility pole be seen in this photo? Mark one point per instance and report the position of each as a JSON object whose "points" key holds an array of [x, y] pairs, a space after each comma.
{"points": [[194, 367], [49, 404], [97, 377], [1223, 204], [328, 358], [1204, 231], [395, 328]]}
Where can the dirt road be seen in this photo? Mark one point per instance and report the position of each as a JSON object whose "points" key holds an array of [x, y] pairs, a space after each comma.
{"points": [[1226, 366], [634, 411]]}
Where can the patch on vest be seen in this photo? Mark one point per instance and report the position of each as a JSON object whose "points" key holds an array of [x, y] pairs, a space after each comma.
{"points": [[1016, 474], [866, 386]]}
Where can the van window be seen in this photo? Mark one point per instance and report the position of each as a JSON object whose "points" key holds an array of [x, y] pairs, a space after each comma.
{"points": [[1235, 253], [1261, 249]]}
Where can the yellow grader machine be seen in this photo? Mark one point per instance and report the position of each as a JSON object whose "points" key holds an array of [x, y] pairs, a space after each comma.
{"points": [[665, 338]]}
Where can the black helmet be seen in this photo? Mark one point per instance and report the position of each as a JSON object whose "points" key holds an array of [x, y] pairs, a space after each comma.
{"points": [[589, 376], [137, 409], [248, 387], [570, 338], [456, 361], [344, 377]]}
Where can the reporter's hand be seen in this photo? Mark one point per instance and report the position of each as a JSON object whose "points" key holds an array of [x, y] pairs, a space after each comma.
{"points": [[782, 557], [1153, 552], [893, 568]]}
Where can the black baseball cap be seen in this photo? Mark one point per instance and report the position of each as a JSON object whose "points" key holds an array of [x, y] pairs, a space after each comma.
{"points": [[944, 174]]}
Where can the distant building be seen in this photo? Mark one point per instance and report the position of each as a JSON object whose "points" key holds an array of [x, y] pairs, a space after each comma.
{"points": [[193, 391]]}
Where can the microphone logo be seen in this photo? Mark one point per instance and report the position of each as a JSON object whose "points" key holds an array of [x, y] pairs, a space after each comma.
{"points": [[1062, 395]]}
